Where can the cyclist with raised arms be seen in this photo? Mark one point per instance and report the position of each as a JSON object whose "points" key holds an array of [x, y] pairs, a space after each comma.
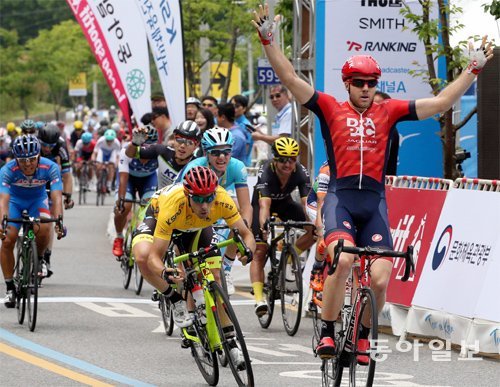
{"points": [[191, 209], [170, 160], [135, 176], [277, 179], [105, 155], [217, 144], [356, 135], [22, 187]]}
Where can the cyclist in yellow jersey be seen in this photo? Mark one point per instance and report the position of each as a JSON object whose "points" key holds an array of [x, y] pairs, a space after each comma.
{"points": [[190, 209]]}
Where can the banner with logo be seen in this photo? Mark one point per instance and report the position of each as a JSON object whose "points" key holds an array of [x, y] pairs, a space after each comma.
{"points": [[375, 27], [127, 45], [92, 30], [163, 24], [460, 275], [413, 225]]}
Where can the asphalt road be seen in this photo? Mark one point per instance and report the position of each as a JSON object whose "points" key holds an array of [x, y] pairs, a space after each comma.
{"points": [[92, 331]]}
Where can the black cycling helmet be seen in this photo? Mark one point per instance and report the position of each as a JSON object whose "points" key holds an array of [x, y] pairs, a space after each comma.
{"points": [[49, 134], [188, 129]]}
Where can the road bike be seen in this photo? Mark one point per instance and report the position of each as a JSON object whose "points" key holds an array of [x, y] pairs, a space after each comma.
{"points": [[215, 327], [83, 182], [359, 301], [27, 266], [284, 279], [101, 186], [127, 260]]}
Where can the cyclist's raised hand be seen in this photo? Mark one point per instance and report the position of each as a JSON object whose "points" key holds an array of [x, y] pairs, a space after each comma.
{"points": [[479, 56], [139, 136], [265, 27]]}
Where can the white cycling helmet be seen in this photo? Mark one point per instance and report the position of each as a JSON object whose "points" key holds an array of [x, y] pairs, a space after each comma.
{"points": [[216, 136], [194, 101]]}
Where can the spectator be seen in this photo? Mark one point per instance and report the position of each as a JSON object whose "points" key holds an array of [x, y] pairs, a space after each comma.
{"points": [[192, 106], [210, 103], [205, 119], [392, 162], [240, 103], [225, 119], [161, 121], [158, 100]]}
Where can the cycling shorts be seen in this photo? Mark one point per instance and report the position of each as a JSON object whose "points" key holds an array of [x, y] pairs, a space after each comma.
{"points": [[359, 216], [104, 157], [37, 207], [286, 209], [145, 186]]}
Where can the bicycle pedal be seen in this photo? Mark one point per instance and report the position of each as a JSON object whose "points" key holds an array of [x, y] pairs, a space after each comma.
{"points": [[185, 343]]}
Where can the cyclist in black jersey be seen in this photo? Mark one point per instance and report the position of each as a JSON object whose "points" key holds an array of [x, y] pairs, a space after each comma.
{"points": [[277, 179], [170, 160]]}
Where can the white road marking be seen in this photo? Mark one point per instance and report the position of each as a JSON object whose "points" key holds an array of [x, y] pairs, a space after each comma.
{"points": [[116, 309]]}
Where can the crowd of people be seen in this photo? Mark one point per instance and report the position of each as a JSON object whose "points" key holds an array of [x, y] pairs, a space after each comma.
{"points": [[195, 173]]}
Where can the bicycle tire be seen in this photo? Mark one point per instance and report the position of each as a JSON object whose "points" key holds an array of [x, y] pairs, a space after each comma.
{"points": [[20, 288], [32, 288], [331, 373], [290, 291], [205, 358], [242, 375], [270, 294], [363, 375], [125, 260], [166, 314], [138, 279]]}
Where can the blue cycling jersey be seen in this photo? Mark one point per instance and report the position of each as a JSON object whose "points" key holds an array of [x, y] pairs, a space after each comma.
{"points": [[15, 183], [236, 172]]}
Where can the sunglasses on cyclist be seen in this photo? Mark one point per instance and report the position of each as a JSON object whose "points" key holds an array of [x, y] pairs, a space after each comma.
{"points": [[187, 141], [27, 160], [203, 199], [218, 152], [362, 82], [275, 96], [284, 160], [46, 144]]}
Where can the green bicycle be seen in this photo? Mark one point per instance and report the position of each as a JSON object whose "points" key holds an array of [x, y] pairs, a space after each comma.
{"points": [[216, 328], [26, 280], [127, 261]]}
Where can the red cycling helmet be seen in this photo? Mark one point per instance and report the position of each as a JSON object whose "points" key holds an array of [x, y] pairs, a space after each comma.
{"points": [[361, 65], [200, 181]]}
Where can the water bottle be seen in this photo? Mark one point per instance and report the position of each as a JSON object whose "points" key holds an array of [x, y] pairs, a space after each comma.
{"points": [[199, 301]]}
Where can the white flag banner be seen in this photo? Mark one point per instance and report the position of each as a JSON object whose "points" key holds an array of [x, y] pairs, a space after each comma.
{"points": [[163, 24], [126, 39]]}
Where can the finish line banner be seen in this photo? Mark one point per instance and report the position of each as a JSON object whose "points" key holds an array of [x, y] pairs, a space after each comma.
{"points": [[375, 27]]}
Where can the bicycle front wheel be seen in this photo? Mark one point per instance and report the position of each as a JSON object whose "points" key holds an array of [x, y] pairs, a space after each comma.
{"points": [[205, 358], [32, 288], [362, 367], [166, 314], [139, 279], [290, 289], [232, 339], [125, 260]]}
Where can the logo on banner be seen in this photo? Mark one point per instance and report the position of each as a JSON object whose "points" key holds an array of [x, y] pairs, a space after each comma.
{"points": [[381, 3], [442, 247], [136, 83], [74, 5], [382, 46], [383, 23], [495, 336]]}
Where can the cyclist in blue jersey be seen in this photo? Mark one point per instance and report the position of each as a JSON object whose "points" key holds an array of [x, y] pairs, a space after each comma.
{"points": [[23, 182], [217, 144], [135, 176]]}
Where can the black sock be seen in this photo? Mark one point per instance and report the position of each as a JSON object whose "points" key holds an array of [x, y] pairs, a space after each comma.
{"points": [[327, 329], [172, 295], [363, 332], [10, 284], [46, 255]]}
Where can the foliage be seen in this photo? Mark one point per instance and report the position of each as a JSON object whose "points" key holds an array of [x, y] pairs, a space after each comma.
{"points": [[493, 8]]}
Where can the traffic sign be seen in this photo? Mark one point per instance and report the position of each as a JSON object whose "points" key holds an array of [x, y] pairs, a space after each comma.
{"points": [[265, 73]]}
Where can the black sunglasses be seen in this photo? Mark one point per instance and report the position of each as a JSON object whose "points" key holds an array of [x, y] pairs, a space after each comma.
{"points": [[284, 160], [362, 82], [275, 96], [218, 152]]}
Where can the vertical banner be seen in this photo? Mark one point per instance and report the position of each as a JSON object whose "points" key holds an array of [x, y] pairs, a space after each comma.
{"points": [[163, 24], [375, 27], [126, 43], [92, 30]]}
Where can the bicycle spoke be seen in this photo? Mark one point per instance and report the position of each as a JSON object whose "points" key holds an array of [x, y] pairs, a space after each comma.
{"points": [[205, 358]]}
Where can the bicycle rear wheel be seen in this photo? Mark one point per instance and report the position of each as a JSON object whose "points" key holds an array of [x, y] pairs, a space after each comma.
{"points": [[32, 288], [331, 373], [205, 358], [232, 340], [290, 289], [19, 277], [270, 294], [166, 314], [362, 373]]}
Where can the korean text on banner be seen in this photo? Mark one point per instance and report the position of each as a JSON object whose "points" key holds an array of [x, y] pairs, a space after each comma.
{"points": [[163, 24], [129, 47], [457, 273], [414, 225], [92, 30]]}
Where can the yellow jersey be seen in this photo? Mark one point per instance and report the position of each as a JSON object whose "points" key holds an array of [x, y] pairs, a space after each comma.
{"points": [[173, 211]]}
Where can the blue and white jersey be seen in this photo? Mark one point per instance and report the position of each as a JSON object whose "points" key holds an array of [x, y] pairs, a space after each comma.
{"points": [[135, 167], [15, 183], [236, 173]]}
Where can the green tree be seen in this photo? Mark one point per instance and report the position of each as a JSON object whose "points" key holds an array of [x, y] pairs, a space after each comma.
{"points": [[58, 55], [428, 31]]}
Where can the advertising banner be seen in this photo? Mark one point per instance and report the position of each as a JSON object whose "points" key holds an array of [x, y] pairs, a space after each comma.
{"points": [[460, 274], [78, 86], [413, 225], [163, 24], [375, 27], [92, 30]]}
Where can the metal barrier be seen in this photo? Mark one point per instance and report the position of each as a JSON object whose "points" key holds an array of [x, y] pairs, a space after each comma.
{"points": [[418, 182], [477, 184]]}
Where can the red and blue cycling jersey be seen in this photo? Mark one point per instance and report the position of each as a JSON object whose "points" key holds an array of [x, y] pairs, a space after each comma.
{"points": [[357, 143]]}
